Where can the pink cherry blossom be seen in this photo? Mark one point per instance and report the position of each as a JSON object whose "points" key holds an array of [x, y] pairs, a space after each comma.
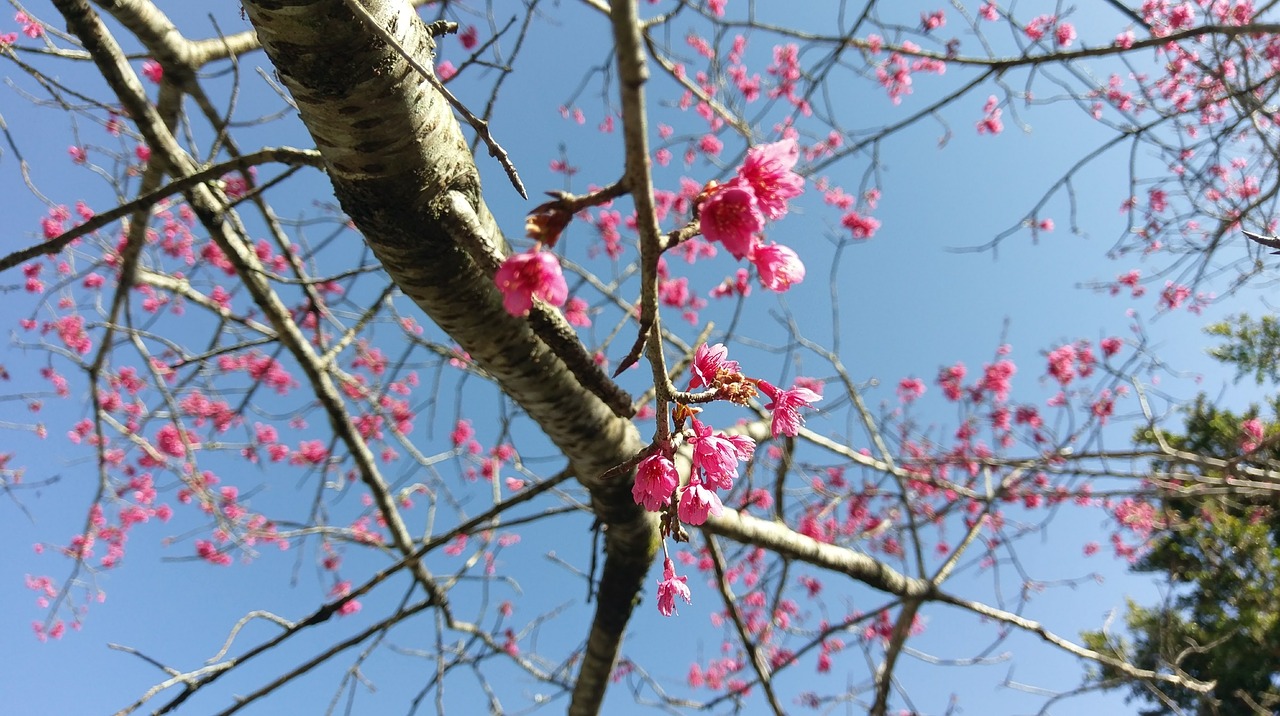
{"points": [[785, 404], [153, 71], [1174, 295], [1064, 34], [697, 503], [469, 37], [30, 27], [735, 285], [779, 267], [576, 313], [716, 455], [767, 171], [1104, 406], [524, 276], [671, 587], [991, 123], [656, 480], [1062, 364], [708, 361], [909, 389], [863, 227], [732, 217], [1037, 28], [996, 378]]}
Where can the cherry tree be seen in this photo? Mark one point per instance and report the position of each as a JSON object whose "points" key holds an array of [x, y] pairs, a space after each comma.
{"points": [[275, 319]]}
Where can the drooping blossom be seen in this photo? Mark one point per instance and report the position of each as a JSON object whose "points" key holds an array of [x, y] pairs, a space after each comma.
{"points": [[697, 503], [732, 217], [767, 171], [523, 276], [716, 455], [779, 267], [785, 405], [656, 480], [671, 587]]}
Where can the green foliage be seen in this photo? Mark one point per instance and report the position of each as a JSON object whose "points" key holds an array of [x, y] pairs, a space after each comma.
{"points": [[1252, 346], [1219, 549]]}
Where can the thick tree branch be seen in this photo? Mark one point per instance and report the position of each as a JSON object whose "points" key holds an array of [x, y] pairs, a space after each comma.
{"points": [[399, 166]]}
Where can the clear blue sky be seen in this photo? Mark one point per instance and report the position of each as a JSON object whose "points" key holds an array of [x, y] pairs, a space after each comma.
{"points": [[908, 305]]}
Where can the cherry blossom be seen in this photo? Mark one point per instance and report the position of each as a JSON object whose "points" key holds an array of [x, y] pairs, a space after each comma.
{"points": [[656, 481], [991, 123], [697, 503], [524, 276], [469, 37], [779, 267], [863, 227], [153, 71], [708, 362], [716, 455], [767, 171], [909, 389], [784, 405], [732, 217], [671, 587], [575, 313]]}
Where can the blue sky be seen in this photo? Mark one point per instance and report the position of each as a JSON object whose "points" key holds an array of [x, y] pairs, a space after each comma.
{"points": [[908, 305]]}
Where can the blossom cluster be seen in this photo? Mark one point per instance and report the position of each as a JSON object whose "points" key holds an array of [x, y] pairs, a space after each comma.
{"points": [[733, 214], [714, 455]]}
